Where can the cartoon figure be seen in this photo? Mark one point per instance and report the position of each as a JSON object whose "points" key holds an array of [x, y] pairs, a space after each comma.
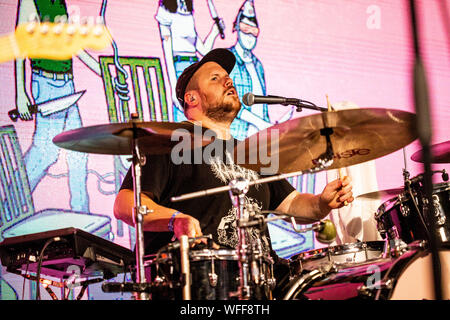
{"points": [[248, 74], [180, 42], [51, 79]]}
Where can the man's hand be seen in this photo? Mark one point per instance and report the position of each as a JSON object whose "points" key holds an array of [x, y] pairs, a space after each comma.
{"points": [[184, 224], [22, 103], [336, 194]]}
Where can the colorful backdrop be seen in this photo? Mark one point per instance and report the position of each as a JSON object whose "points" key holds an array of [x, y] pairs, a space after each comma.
{"points": [[357, 52]]}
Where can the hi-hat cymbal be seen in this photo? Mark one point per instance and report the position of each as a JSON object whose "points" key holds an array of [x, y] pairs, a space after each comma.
{"points": [[116, 138], [440, 153], [358, 135], [382, 193]]}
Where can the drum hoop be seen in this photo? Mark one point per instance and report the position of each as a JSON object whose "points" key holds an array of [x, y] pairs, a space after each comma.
{"points": [[439, 187], [344, 249], [387, 205], [218, 254]]}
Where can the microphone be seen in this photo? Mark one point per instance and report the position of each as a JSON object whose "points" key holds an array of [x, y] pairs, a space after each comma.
{"points": [[251, 99]]}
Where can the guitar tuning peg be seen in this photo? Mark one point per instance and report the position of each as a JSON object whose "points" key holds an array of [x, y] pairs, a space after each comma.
{"points": [[31, 26], [98, 30], [44, 28], [83, 30], [70, 30], [57, 29], [99, 20]]}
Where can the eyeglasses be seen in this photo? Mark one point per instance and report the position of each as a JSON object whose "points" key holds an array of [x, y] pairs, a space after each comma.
{"points": [[245, 28]]}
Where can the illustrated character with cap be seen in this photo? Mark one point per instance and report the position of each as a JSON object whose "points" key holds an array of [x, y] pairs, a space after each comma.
{"points": [[181, 42], [211, 100], [248, 75]]}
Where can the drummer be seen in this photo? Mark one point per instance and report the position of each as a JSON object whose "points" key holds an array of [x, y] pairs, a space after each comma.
{"points": [[209, 98]]}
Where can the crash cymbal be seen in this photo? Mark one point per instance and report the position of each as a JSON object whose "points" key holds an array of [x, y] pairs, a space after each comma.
{"points": [[382, 193], [440, 153], [358, 135], [116, 138]]}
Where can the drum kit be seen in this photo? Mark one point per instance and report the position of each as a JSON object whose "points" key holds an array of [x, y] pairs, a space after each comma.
{"points": [[397, 267]]}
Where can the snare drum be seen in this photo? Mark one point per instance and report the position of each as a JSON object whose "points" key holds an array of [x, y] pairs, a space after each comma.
{"points": [[407, 277], [403, 217], [214, 275], [342, 254]]}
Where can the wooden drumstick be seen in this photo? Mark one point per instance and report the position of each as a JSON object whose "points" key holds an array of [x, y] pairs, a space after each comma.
{"points": [[340, 170]]}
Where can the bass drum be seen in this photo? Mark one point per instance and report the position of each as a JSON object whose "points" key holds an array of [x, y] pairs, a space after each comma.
{"points": [[407, 277]]}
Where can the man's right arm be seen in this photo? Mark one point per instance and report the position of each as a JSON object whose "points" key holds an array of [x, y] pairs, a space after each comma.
{"points": [[157, 220]]}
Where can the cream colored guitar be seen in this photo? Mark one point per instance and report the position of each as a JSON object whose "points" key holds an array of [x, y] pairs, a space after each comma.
{"points": [[56, 41]]}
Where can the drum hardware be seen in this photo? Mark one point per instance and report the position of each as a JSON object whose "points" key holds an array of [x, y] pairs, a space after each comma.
{"points": [[185, 267], [378, 279], [345, 254], [213, 277], [439, 213], [397, 247], [369, 290], [403, 209], [238, 188], [138, 161], [304, 281]]}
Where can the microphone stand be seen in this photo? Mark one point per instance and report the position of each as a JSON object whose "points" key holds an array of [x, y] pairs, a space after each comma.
{"points": [[299, 104], [424, 132]]}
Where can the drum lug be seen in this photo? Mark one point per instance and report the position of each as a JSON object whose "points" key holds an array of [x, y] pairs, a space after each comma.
{"points": [[212, 275], [403, 208], [212, 279], [369, 291], [393, 233], [438, 211], [398, 247], [271, 283]]}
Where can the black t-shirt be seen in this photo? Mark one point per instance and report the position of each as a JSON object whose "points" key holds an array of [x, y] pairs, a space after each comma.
{"points": [[163, 177]]}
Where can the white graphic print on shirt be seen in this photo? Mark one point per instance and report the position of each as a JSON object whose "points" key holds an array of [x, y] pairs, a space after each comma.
{"points": [[227, 230]]}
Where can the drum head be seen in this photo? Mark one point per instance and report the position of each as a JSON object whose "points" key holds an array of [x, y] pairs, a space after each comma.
{"points": [[349, 253]]}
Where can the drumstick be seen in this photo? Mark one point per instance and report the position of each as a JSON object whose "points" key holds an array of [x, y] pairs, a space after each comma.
{"points": [[340, 170]]}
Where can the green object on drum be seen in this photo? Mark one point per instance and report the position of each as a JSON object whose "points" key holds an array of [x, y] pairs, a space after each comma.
{"points": [[327, 232]]}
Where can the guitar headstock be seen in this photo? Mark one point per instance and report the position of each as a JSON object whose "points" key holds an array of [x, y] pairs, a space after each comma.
{"points": [[58, 41]]}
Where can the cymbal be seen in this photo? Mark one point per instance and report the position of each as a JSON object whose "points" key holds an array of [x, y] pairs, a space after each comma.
{"points": [[116, 138], [440, 153], [382, 193], [358, 135]]}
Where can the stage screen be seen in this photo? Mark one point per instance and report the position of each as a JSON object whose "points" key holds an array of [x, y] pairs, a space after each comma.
{"points": [[347, 54]]}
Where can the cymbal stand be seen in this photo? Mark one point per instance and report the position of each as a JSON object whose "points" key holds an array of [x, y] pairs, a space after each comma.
{"points": [[238, 189], [139, 211]]}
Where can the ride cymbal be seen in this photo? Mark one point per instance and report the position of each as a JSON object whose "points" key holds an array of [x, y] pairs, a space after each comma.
{"points": [[356, 136]]}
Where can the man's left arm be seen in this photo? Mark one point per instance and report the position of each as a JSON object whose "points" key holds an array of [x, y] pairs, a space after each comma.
{"points": [[336, 194]]}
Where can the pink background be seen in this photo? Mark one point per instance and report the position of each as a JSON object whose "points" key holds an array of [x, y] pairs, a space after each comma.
{"points": [[308, 48]]}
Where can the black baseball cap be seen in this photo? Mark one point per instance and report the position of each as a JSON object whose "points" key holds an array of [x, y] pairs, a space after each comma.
{"points": [[223, 57]]}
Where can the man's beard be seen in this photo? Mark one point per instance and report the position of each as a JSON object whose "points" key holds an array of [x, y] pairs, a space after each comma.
{"points": [[224, 112]]}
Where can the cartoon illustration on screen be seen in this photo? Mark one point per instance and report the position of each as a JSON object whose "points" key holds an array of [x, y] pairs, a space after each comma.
{"points": [[51, 79], [248, 74], [181, 42]]}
